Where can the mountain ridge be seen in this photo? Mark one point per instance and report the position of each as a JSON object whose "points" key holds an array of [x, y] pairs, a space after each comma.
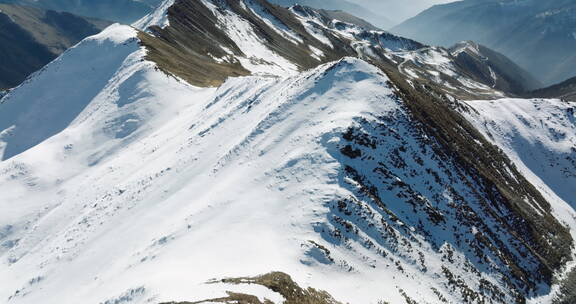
{"points": [[344, 164], [508, 77], [382, 21], [564, 90], [535, 34], [310, 38]]}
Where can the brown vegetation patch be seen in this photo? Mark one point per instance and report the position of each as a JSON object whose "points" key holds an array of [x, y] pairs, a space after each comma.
{"points": [[276, 281]]}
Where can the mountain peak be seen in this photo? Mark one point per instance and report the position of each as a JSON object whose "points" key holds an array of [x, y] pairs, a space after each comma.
{"points": [[158, 17], [493, 68], [466, 45]]}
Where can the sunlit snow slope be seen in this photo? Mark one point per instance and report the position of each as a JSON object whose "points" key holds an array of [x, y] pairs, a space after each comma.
{"points": [[121, 183], [150, 194], [539, 135]]}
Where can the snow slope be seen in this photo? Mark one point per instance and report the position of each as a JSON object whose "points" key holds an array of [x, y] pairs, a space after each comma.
{"points": [[117, 211], [539, 135], [148, 193], [89, 66], [158, 17], [110, 202], [122, 184]]}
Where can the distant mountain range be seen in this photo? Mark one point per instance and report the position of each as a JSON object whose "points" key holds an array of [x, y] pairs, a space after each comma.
{"points": [[565, 90], [538, 35], [493, 68], [397, 11], [32, 37], [376, 17], [125, 11]]}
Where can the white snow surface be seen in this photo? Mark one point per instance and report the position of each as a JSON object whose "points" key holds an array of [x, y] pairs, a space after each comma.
{"points": [[154, 187], [158, 17], [121, 184], [151, 187], [259, 58], [539, 136]]}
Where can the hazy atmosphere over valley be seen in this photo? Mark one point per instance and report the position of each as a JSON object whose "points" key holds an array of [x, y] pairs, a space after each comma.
{"points": [[288, 152]]}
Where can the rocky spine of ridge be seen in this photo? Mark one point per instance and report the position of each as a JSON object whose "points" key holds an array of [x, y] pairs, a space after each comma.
{"points": [[200, 40], [493, 68], [196, 47], [503, 184]]}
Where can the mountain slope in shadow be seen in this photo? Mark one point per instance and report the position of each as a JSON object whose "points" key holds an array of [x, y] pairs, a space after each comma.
{"points": [[31, 37]]}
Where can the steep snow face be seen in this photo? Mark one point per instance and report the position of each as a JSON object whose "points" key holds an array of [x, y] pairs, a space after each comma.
{"points": [[260, 59], [28, 117], [69, 118], [539, 135], [156, 187], [158, 17], [199, 197]]}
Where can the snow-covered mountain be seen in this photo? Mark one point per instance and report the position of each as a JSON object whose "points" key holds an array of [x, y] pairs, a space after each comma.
{"points": [[539, 136], [225, 140], [538, 35], [207, 42], [494, 68], [380, 18]]}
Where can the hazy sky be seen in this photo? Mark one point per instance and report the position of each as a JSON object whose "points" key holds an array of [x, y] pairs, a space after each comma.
{"points": [[401, 9]]}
